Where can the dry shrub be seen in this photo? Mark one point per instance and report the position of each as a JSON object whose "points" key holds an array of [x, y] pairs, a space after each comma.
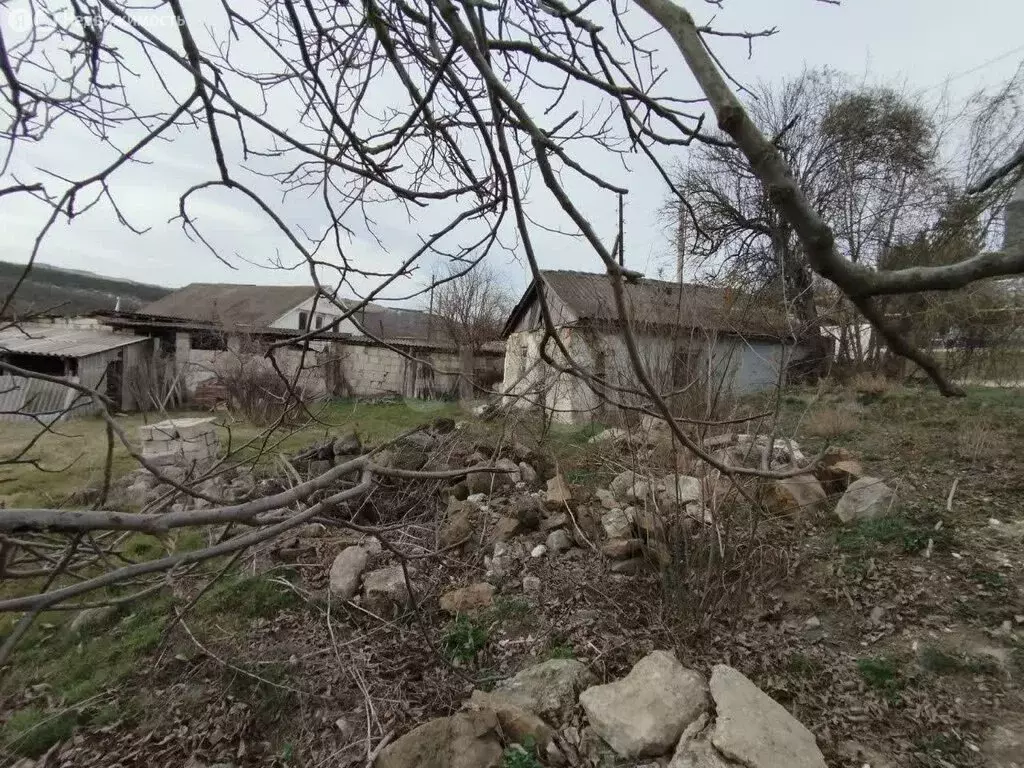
{"points": [[714, 571], [260, 396], [831, 424], [977, 442], [873, 384]]}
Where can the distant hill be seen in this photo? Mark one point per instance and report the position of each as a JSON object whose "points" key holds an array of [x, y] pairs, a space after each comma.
{"points": [[55, 291]]}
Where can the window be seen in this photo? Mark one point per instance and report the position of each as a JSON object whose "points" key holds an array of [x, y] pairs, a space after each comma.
{"points": [[46, 364], [208, 340], [303, 320], [319, 321]]}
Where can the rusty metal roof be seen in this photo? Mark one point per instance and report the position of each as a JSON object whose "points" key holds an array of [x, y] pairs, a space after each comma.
{"points": [[62, 341], [658, 304]]}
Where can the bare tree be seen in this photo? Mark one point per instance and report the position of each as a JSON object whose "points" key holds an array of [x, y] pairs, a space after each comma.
{"points": [[457, 113], [472, 307], [866, 158]]}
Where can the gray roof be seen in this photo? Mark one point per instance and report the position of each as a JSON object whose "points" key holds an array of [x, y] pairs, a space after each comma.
{"points": [[227, 304], [388, 323], [658, 303], [62, 341]]}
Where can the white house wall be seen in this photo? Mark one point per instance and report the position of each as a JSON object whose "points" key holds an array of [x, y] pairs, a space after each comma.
{"points": [[716, 363], [324, 308]]}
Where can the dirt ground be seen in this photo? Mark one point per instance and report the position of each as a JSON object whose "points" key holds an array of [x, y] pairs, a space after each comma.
{"points": [[897, 642]]}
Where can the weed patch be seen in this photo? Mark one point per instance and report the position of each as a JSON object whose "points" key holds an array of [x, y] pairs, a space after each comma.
{"points": [[895, 531], [519, 756], [253, 597], [463, 639], [511, 609], [987, 578], [882, 674]]}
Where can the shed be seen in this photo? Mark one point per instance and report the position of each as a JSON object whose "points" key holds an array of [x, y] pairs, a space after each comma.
{"points": [[93, 357], [695, 340]]}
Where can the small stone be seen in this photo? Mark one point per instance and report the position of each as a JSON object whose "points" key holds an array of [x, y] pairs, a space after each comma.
{"points": [[548, 689], [519, 725], [468, 600], [812, 623], [465, 740], [458, 525], [866, 499], [755, 730], [629, 567], [629, 486], [346, 571], [558, 541], [552, 522], [527, 473], [606, 497], [539, 551], [680, 490], [506, 528], [622, 549], [531, 584], [509, 474], [876, 614], [558, 491], [616, 525], [385, 589], [528, 513], [644, 714]]}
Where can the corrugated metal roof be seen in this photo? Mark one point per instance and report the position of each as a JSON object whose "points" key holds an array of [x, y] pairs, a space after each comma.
{"points": [[60, 341]]}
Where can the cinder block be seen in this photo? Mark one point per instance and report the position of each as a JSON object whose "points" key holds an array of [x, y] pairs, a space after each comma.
{"points": [[190, 428], [157, 432], [164, 459]]}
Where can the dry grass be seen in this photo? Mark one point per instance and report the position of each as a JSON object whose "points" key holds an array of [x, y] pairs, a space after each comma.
{"points": [[873, 384], [977, 441], [830, 424]]}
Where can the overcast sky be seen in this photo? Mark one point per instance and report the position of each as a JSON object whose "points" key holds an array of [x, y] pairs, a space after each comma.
{"points": [[921, 42]]}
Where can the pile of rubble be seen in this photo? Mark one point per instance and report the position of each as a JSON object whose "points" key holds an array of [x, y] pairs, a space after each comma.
{"points": [[661, 711]]}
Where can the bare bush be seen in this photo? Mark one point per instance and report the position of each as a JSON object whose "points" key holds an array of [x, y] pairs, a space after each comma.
{"points": [[871, 384], [262, 396], [977, 441], [830, 423]]}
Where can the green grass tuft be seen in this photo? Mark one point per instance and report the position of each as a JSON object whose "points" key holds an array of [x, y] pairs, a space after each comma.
{"points": [[463, 639], [519, 756], [883, 674], [253, 597], [987, 578], [896, 531]]}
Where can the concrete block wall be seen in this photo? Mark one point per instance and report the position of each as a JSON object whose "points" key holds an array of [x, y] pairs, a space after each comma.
{"points": [[181, 442], [371, 370]]}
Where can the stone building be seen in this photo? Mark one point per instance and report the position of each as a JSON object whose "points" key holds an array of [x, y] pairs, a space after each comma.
{"points": [[695, 341]]}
